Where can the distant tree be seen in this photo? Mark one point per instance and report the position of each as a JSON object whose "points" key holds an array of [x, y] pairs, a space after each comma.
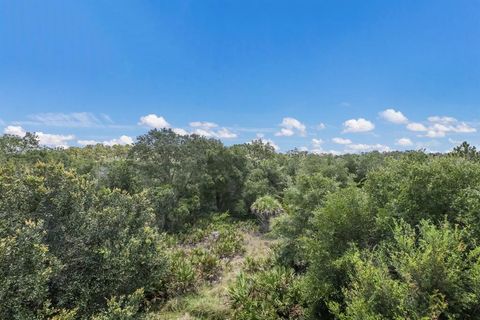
{"points": [[467, 151]]}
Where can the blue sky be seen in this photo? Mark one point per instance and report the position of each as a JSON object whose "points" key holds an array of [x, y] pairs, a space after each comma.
{"points": [[327, 76]]}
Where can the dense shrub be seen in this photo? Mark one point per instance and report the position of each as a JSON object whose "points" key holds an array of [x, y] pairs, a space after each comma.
{"points": [[430, 273], [120, 232], [270, 294]]}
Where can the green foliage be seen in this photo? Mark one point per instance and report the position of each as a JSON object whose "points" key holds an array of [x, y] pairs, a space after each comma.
{"points": [[417, 275], [182, 277], [123, 308], [301, 200], [270, 294], [466, 151], [15, 147], [414, 189], [118, 232], [343, 221], [26, 267], [265, 208], [188, 176], [106, 243]]}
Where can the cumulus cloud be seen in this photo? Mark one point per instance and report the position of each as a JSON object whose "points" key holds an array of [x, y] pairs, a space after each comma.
{"points": [[211, 130], [291, 126], [341, 141], [317, 146], [391, 115], [417, 127], [225, 134], [404, 142], [367, 147], [317, 142], [122, 140], [321, 126], [443, 120], [47, 139], [203, 124], [285, 132], [154, 121], [15, 130], [180, 131], [358, 125], [201, 128], [439, 127], [333, 152], [54, 140], [88, 142]]}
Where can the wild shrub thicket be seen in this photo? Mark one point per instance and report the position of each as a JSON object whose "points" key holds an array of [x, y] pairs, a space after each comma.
{"points": [[111, 232]]}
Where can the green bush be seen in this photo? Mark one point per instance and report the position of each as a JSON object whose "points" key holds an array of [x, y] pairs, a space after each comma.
{"points": [[270, 294], [265, 208], [123, 308], [26, 267], [418, 275]]}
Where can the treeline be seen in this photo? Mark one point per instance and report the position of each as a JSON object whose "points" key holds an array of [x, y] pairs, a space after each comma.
{"points": [[117, 232]]}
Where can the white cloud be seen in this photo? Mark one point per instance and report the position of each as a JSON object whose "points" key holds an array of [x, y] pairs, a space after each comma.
{"points": [[367, 147], [203, 133], [415, 126], [15, 130], [405, 142], [75, 119], [54, 140], [333, 152], [321, 126], [317, 146], [88, 142], [285, 132], [225, 134], [180, 131], [317, 142], [443, 120], [122, 140], [303, 149], [203, 124], [209, 130], [341, 141], [51, 140], [358, 125], [154, 121], [453, 141], [106, 117], [394, 116], [435, 134], [290, 126], [464, 128], [440, 126]]}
